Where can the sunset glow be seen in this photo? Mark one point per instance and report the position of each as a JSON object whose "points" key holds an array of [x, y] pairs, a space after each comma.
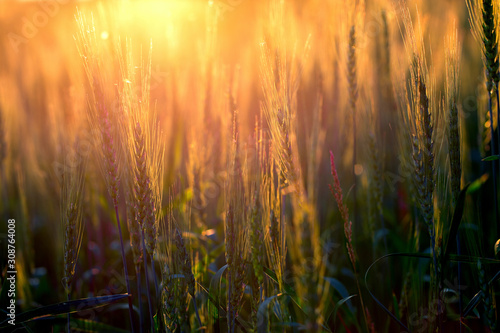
{"points": [[249, 166]]}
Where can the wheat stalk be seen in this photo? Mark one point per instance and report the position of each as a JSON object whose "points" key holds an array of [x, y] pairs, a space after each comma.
{"points": [[135, 242], [72, 201], [186, 268], [482, 18], [483, 21], [170, 311], [488, 304], [417, 104], [101, 120], [170, 286], [376, 185], [336, 190], [280, 77], [257, 254], [235, 231], [71, 213], [419, 113], [100, 112], [452, 47], [353, 98], [143, 146]]}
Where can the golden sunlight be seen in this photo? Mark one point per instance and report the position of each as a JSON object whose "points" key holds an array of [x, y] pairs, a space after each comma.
{"points": [[249, 166]]}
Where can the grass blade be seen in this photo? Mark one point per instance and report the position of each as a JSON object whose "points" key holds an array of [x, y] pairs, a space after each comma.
{"points": [[214, 289], [473, 303], [288, 289], [490, 158], [262, 317], [66, 307], [337, 285], [338, 305]]}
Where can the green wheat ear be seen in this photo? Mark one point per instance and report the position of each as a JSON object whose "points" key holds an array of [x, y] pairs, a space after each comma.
{"points": [[488, 306], [256, 240], [483, 23], [185, 262], [490, 42]]}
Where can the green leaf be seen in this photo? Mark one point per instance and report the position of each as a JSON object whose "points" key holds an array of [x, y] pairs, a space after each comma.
{"points": [[292, 325], [473, 303], [214, 290], [156, 322], [288, 289], [473, 259], [217, 251], [476, 185], [262, 317], [494, 279], [456, 258], [83, 325], [96, 326], [490, 158], [243, 325], [395, 303], [338, 305], [65, 307], [342, 290], [196, 237], [375, 298]]}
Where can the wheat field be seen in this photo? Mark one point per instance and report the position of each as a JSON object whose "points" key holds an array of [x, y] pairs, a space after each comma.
{"points": [[249, 166]]}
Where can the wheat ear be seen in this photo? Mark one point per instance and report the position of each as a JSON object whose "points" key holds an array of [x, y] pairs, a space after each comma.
{"points": [[353, 98], [484, 28], [336, 190], [101, 120], [71, 214], [453, 48], [488, 305]]}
